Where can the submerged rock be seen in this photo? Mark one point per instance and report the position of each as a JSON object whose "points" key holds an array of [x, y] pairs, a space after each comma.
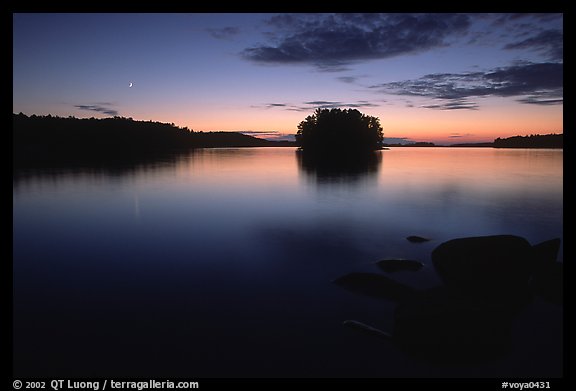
{"points": [[395, 265], [548, 283], [442, 326], [417, 239], [362, 327], [545, 253], [547, 279], [375, 285]]}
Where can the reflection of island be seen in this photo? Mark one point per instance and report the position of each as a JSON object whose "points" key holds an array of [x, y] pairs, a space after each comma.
{"points": [[340, 167]]}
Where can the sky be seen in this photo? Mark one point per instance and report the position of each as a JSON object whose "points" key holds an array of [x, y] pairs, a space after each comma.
{"points": [[442, 78]]}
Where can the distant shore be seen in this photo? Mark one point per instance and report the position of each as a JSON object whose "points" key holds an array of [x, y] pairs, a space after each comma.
{"points": [[555, 141]]}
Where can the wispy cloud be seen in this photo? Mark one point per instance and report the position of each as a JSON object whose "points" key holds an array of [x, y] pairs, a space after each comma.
{"points": [[347, 79], [99, 108], [330, 41], [318, 104], [455, 104], [540, 83], [459, 135], [548, 42], [518, 20], [540, 100], [224, 32]]}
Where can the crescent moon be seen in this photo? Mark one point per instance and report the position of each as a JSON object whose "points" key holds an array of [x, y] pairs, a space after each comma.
{"points": [[130, 85]]}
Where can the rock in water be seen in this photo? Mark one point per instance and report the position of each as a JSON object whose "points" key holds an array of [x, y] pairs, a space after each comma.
{"points": [[395, 265], [375, 285], [498, 267], [545, 253], [548, 283], [354, 324], [440, 325], [547, 280], [417, 239]]}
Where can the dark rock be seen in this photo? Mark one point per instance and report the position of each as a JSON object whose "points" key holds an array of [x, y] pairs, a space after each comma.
{"points": [[417, 239], [394, 265], [548, 283], [468, 320], [440, 325], [547, 279], [545, 253], [375, 285], [497, 267], [366, 329]]}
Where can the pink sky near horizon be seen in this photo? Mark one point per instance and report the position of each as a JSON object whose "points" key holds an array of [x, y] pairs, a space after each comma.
{"points": [[447, 127]]}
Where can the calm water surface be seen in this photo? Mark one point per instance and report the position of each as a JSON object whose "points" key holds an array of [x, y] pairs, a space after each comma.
{"points": [[218, 263]]}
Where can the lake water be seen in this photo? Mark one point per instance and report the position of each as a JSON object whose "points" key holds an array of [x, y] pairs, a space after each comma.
{"points": [[219, 262]]}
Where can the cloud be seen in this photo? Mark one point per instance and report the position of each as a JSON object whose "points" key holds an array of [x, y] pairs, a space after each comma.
{"points": [[318, 104], [456, 104], [350, 79], [99, 108], [224, 32], [322, 104], [548, 42], [532, 83], [330, 41], [459, 135], [510, 18], [539, 101], [347, 79]]}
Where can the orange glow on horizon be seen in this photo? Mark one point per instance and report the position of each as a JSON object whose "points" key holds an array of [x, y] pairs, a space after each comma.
{"points": [[495, 118]]}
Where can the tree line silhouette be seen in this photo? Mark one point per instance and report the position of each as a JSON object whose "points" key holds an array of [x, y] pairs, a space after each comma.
{"points": [[39, 140], [532, 141]]}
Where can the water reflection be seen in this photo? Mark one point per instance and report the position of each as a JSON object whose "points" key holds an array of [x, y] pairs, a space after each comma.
{"points": [[118, 167], [227, 251], [348, 169]]}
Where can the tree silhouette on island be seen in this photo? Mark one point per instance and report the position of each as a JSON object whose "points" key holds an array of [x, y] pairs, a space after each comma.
{"points": [[337, 131]]}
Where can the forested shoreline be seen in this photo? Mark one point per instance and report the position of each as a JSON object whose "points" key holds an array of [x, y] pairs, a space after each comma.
{"points": [[52, 140], [532, 141]]}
